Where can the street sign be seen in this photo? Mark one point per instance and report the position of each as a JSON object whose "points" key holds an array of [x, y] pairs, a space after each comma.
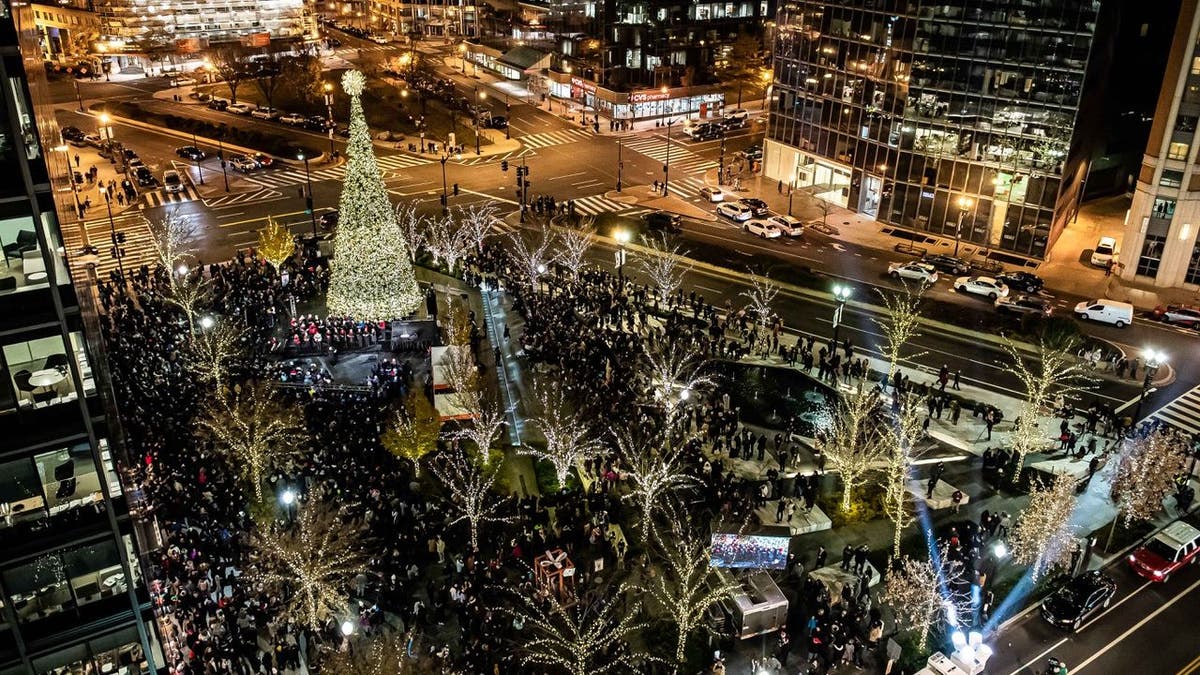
{"points": [[837, 316]]}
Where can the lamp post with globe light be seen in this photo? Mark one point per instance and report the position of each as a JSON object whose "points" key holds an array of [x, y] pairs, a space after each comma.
{"points": [[622, 236], [964, 204], [1154, 360], [841, 294]]}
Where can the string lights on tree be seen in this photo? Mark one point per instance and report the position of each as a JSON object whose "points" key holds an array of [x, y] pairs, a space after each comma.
{"points": [[1053, 370], [675, 370], [664, 265], [173, 236], [412, 228], [275, 243], [310, 563], [927, 593], [384, 653], [574, 243], [470, 483], [899, 328], [531, 252], [1042, 537], [1146, 471], [215, 347], [853, 445], [569, 438], [655, 469], [371, 276], [901, 438], [414, 430], [252, 431], [759, 298]]}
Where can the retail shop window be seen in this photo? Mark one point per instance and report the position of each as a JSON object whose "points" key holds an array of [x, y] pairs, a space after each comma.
{"points": [[1193, 271], [1151, 256], [1163, 208]]}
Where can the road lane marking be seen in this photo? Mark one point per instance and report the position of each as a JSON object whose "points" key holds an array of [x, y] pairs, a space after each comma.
{"points": [[1099, 616], [570, 175], [1190, 668], [1039, 657], [1122, 636]]}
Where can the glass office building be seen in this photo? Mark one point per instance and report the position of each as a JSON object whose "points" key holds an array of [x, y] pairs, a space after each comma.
{"points": [[72, 597], [965, 118]]}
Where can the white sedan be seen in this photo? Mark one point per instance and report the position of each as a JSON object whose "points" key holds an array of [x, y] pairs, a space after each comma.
{"points": [[762, 228], [788, 225], [985, 286], [915, 270], [734, 211]]}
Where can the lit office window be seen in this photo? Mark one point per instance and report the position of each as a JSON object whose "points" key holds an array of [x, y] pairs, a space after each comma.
{"points": [[1178, 151]]}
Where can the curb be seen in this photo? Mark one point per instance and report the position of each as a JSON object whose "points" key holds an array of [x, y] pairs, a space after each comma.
{"points": [[206, 140]]}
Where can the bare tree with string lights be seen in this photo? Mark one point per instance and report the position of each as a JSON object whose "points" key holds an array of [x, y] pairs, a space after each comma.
{"points": [[311, 562], [656, 470], [471, 484], [275, 243], [587, 638], [569, 436], [532, 252], [900, 324], [675, 369], [189, 292], [1042, 537], [1147, 468], [665, 265], [173, 236], [574, 243], [687, 585], [413, 228], [853, 445], [759, 298], [252, 431], [384, 653], [210, 354], [1052, 370], [901, 439], [476, 220], [414, 429], [927, 593], [448, 241]]}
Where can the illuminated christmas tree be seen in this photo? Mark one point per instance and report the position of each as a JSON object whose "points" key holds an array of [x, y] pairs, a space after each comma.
{"points": [[371, 274]]}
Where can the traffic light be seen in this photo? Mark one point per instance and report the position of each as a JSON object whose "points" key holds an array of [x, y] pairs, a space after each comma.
{"points": [[456, 189], [504, 165], [118, 238]]}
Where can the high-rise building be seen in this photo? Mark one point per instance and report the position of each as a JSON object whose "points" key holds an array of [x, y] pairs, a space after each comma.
{"points": [[963, 118], [71, 590], [1160, 243]]}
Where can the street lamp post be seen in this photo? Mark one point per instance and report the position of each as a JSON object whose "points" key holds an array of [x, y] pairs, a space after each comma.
{"points": [[841, 294], [445, 197], [117, 252], [288, 498], [479, 96], [507, 118], [667, 163], [308, 196], [221, 156], [622, 236], [620, 164], [199, 169], [328, 87], [721, 162], [964, 203], [1154, 360], [791, 189]]}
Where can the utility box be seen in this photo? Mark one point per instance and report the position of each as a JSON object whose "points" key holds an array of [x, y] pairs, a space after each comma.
{"points": [[759, 607]]}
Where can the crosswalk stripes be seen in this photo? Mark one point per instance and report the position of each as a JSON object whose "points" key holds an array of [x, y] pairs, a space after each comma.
{"points": [[597, 204], [259, 196], [154, 198], [139, 245], [682, 159], [514, 156], [290, 176], [1182, 413], [687, 187], [549, 138]]}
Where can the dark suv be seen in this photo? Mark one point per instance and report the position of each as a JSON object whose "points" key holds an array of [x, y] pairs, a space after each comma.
{"points": [[757, 206], [1022, 281], [948, 264], [661, 220]]}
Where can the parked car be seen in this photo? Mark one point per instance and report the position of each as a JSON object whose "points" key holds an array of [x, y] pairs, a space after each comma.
{"points": [[1105, 251], [218, 103], [294, 119], [182, 81], [789, 226], [240, 108], [1024, 304], [1077, 599], [762, 228], [732, 123], [497, 122], [948, 264], [316, 123], [92, 140], [734, 211], [914, 270], [172, 181], [985, 286], [379, 39], [1119, 314], [1022, 281], [1172, 548], [711, 194], [661, 220], [757, 206], [71, 134], [190, 152], [242, 163], [740, 114], [1182, 315], [265, 113], [144, 176], [753, 152], [705, 131]]}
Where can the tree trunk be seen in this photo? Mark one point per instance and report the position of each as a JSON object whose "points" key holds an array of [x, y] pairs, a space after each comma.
{"points": [[846, 487]]}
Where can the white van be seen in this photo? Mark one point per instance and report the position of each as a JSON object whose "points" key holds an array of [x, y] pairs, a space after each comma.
{"points": [[1105, 251], [1119, 314]]}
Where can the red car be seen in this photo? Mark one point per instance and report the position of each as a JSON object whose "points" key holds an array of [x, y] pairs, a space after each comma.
{"points": [[1169, 550], [1182, 315]]}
